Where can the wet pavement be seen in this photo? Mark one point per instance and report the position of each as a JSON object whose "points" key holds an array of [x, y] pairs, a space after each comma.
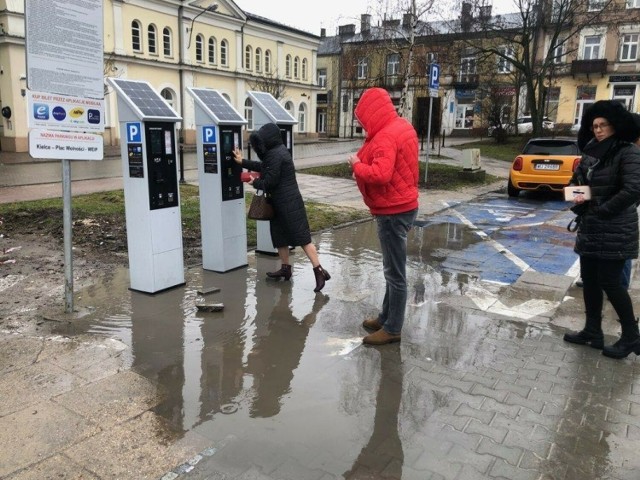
{"points": [[279, 386]]}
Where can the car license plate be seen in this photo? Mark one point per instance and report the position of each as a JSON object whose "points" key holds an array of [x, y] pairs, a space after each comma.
{"points": [[546, 166]]}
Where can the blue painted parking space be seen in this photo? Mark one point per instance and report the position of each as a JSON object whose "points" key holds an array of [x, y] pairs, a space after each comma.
{"points": [[516, 235]]}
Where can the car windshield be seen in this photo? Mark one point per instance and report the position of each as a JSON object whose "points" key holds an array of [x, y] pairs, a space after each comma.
{"points": [[551, 147]]}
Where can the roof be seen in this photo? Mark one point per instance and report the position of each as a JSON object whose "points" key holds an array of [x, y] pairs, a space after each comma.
{"points": [[330, 46], [440, 27], [268, 21]]}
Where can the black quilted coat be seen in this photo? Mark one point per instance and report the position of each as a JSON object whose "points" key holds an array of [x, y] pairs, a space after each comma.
{"points": [[609, 221], [290, 226]]}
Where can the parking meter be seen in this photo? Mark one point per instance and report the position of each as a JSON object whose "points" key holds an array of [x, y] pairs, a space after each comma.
{"points": [[222, 207], [150, 177], [266, 109]]}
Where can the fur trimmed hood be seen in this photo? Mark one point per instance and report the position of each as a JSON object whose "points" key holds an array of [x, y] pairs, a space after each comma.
{"points": [[624, 124]]}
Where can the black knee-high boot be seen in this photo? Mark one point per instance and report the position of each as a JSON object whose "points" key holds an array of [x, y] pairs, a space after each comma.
{"points": [[591, 334], [629, 341]]}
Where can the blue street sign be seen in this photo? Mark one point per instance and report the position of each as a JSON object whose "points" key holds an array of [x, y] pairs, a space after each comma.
{"points": [[434, 76], [209, 134]]}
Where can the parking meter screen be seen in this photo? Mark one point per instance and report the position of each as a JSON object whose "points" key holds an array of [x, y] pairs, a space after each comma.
{"points": [[161, 165], [232, 188]]}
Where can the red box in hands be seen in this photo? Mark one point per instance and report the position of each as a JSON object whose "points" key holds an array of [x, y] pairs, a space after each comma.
{"points": [[248, 176]]}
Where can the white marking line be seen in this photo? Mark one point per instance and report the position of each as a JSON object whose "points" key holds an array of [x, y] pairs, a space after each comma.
{"points": [[574, 270], [524, 266]]}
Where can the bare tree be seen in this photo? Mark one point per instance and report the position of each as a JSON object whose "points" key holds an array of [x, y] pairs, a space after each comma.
{"points": [[402, 38], [531, 38], [271, 83]]}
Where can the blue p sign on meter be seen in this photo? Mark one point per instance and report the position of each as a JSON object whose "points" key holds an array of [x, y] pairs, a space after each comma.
{"points": [[434, 76]]}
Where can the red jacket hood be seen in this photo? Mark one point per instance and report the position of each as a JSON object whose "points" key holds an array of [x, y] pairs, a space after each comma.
{"points": [[375, 110]]}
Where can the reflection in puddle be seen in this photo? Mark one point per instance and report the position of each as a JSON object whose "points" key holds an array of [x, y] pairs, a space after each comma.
{"points": [[282, 369]]}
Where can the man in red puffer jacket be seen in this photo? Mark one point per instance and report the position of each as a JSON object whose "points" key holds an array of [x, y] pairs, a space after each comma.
{"points": [[386, 170]]}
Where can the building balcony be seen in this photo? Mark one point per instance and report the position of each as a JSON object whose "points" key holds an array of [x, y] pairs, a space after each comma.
{"points": [[466, 82], [587, 67]]}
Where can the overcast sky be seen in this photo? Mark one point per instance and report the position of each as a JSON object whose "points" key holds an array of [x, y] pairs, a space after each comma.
{"points": [[312, 16]]}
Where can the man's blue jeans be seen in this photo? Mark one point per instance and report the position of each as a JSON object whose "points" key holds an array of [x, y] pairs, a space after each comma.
{"points": [[392, 233]]}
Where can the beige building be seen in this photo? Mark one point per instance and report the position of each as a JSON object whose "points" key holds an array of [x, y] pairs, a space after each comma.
{"points": [[600, 62], [173, 45]]}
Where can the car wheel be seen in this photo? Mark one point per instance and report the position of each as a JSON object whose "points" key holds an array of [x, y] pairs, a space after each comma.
{"points": [[511, 190]]}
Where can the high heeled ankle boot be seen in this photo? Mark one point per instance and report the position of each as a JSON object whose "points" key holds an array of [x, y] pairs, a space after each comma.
{"points": [[284, 272], [321, 277]]}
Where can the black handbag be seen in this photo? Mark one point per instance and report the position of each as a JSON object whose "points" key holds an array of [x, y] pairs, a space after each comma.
{"points": [[260, 208]]}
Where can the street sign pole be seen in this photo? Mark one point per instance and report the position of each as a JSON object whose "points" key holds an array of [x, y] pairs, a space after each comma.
{"points": [[426, 165], [68, 242], [434, 86]]}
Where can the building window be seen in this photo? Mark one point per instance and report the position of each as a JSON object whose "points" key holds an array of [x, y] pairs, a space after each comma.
{"points": [[591, 47], [302, 118], [304, 69], [267, 61], [168, 96], [248, 57], [224, 48], [248, 113], [258, 59], [504, 65], [136, 39], [625, 94], [287, 66], [212, 50], [585, 97], [595, 5], [464, 116], [289, 108], [553, 100], [633, 3], [227, 97], [467, 68], [151, 39], [322, 77], [363, 68], [629, 47], [557, 52], [557, 9], [393, 64], [199, 48], [296, 68], [166, 42]]}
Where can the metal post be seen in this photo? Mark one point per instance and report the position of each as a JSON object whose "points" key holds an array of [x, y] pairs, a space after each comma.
{"points": [[426, 164], [66, 221], [181, 150]]}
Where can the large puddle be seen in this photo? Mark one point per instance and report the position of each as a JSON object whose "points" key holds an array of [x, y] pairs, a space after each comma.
{"points": [[280, 375]]}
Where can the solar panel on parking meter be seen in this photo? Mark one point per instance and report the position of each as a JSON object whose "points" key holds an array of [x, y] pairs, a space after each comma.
{"points": [[217, 106], [270, 106], [144, 99]]}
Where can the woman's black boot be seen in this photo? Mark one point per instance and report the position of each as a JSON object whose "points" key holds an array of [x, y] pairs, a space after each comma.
{"points": [[629, 342], [584, 337], [284, 272], [321, 277], [591, 334]]}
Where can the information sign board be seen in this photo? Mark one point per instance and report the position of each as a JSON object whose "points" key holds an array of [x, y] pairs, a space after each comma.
{"points": [[65, 145], [64, 44], [62, 112]]}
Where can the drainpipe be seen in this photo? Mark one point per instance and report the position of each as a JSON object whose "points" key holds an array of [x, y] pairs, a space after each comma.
{"points": [[180, 65]]}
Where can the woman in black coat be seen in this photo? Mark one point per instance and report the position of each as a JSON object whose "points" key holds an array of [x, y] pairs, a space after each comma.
{"points": [[290, 226], [607, 232]]}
